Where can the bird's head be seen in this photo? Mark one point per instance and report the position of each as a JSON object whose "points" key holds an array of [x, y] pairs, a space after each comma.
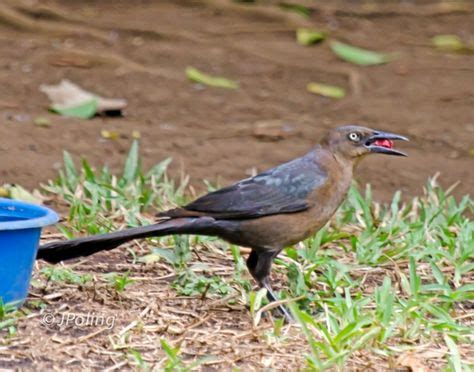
{"points": [[353, 142]]}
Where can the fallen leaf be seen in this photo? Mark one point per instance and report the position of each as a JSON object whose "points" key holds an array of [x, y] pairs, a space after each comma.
{"points": [[71, 100], [66, 59], [451, 43], [357, 55], [330, 91], [41, 121], [85, 110], [109, 134], [307, 36], [150, 258], [412, 361], [197, 76], [297, 8], [272, 130], [4, 192], [447, 42], [136, 134]]}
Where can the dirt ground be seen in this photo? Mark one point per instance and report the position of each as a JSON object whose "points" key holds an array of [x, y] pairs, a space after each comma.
{"points": [[139, 50]]}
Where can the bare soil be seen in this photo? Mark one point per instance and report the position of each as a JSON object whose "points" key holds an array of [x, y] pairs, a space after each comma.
{"points": [[139, 50]]}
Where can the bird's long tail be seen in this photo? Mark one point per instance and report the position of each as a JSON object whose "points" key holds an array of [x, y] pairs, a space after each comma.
{"points": [[63, 250]]}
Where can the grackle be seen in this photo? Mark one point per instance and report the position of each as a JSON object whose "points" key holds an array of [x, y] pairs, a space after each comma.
{"points": [[268, 212]]}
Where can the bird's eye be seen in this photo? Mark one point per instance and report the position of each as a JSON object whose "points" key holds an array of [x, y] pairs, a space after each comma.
{"points": [[354, 137]]}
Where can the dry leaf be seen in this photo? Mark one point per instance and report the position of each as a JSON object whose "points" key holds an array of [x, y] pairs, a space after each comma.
{"points": [[307, 36], [412, 361], [197, 76], [41, 121], [19, 193], [4, 192], [325, 90], [136, 134], [109, 134], [70, 99], [272, 130], [65, 59]]}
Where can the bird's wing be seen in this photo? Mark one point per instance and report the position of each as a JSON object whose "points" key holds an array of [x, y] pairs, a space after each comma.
{"points": [[283, 189]]}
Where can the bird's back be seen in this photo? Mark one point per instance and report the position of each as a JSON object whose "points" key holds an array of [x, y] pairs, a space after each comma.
{"points": [[280, 190]]}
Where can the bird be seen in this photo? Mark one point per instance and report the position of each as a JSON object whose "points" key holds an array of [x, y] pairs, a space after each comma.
{"points": [[267, 212]]}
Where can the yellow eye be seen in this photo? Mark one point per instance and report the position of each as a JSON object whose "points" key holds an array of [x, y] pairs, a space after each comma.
{"points": [[354, 137]]}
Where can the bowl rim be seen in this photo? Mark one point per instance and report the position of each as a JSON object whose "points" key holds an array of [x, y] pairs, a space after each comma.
{"points": [[48, 217]]}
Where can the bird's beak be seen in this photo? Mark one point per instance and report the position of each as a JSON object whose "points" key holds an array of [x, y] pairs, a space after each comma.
{"points": [[382, 143]]}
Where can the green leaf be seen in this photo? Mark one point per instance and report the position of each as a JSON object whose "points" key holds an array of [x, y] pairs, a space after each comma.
{"points": [[365, 338], [69, 167], [415, 281], [132, 164], [7, 323], [308, 36], [170, 351], [84, 110], [150, 258], [168, 254], [451, 43], [437, 273], [256, 299], [197, 76], [330, 91], [455, 357], [88, 171], [358, 56], [296, 280], [159, 169], [302, 10]]}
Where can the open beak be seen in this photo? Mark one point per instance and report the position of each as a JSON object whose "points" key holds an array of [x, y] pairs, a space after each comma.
{"points": [[382, 143]]}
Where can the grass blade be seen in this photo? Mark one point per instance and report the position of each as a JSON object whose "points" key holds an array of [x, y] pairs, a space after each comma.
{"points": [[455, 357], [132, 164]]}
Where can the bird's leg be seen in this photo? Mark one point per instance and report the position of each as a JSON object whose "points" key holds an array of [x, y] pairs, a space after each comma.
{"points": [[259, 264], [271, 297]]}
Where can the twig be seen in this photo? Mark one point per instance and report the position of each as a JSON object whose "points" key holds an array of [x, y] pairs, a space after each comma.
{"points": [[380, 9], [121, 61], [259, 11], [15, 19]]}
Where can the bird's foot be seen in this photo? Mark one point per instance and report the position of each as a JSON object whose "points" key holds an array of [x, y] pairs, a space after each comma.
{"points": [[283, 312]]}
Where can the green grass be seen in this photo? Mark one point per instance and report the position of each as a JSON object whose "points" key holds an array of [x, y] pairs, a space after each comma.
{"points": [[98, 199], [8, 319], [380, 278], [423, 252]]}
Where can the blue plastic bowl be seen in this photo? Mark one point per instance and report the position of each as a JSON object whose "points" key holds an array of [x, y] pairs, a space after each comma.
{"points": [[20, 230]]}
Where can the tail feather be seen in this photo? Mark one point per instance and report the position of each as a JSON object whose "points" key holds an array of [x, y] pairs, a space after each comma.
{"points": [[63, 250]]}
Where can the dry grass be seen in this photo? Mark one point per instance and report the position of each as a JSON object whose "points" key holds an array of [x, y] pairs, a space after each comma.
{"points": [[218, 331]]}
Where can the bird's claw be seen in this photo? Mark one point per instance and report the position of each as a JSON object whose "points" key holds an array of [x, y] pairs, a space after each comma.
{"points": [[286, 314]]}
